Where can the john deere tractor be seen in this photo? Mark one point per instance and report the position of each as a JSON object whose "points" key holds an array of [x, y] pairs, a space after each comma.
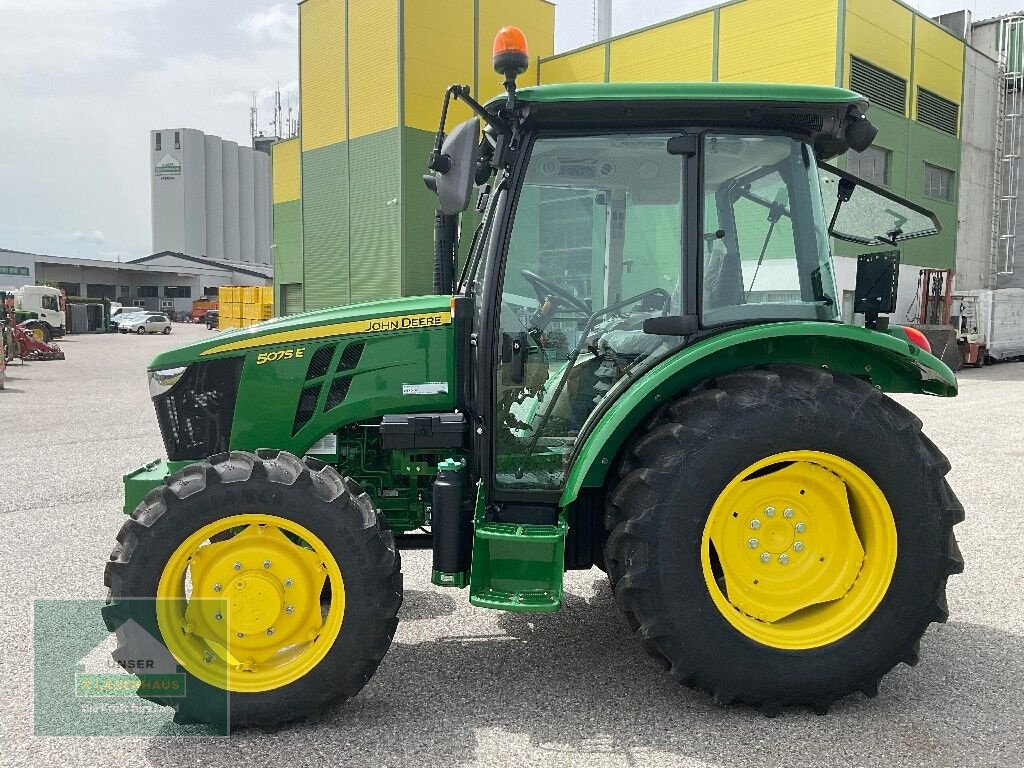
{"points": [[634, 360]]}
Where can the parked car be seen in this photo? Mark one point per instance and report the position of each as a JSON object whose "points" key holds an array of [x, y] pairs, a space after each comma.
{"points": [[212, 320], [149, 322]]}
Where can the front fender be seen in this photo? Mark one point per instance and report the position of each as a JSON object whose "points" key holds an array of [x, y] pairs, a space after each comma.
{"points": [[886, 359]]}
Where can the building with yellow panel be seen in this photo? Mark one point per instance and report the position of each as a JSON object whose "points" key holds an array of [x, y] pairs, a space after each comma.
{"points": [[352, 218], [910, 66], [372, 72]]}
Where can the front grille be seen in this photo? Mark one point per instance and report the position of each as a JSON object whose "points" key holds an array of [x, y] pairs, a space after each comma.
{"points": [[195, 416], [337, 392], [306, 408], [320, 362]]}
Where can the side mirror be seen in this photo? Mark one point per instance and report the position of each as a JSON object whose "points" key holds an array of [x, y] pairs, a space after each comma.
{"points": [[455, 168]]}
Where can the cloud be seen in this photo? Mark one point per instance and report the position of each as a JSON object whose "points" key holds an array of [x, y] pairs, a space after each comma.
{"points": [[83, 236], [278, 22]]}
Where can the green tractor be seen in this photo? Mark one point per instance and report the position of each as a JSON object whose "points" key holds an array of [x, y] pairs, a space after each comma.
{"points": [[640, 366]]}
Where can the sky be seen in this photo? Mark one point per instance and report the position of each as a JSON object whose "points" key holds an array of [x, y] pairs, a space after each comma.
{"points": [[82, 82]]}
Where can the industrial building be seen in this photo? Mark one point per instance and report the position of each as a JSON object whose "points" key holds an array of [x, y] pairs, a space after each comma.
{"points": [[210, 197], [162, 281], [352, 220]]}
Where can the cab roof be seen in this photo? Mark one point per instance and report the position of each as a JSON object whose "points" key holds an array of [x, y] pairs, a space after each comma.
{"points": [[757, 92]]}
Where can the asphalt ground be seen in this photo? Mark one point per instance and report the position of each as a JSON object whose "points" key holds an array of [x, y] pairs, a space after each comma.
{"points": [[462, 686]]}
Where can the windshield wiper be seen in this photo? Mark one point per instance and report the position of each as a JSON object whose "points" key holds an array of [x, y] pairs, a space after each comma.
{"points": [[775, 213]]}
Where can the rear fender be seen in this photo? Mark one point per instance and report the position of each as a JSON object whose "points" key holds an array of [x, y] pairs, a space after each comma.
{"points": [[886, 359]]}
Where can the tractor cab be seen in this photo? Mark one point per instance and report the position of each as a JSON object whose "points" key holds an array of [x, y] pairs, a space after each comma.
{"points": [[620, 223]]}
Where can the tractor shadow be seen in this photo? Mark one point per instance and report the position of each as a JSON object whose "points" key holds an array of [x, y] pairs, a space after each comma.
{"points": [[573, 687]]}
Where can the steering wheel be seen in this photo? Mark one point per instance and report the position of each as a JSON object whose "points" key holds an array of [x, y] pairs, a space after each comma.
{"points": [[545, 290]]}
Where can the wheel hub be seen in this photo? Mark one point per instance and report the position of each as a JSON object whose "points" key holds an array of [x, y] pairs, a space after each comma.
{"points": [[788, 543], [255, 601]]}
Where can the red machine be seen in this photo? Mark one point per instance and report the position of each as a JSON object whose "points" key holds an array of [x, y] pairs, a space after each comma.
{"points": [[18, 342], [950, 328]]}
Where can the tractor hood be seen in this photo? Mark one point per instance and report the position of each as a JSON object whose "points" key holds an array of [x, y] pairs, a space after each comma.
{"points": [[375, 317]]}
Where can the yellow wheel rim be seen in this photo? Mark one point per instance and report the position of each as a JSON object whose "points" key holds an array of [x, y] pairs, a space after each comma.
{"points": [[37, 334], [239, 602], [799, 549]]}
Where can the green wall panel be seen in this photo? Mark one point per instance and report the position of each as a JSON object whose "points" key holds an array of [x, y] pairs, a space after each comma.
{"points": [[912, 145], [375, 223], [325, 226], [418, 205], [287, 247]]}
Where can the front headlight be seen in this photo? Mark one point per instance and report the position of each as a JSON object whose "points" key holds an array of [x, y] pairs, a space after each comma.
{"points": [[161, 382]]}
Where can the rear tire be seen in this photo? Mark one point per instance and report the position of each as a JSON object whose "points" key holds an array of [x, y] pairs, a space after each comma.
{"points": [[305, 492], [675, 474], [140, 330], [167, 330]]}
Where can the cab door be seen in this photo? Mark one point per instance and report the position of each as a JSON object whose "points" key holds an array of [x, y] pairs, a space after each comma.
{"points": [[595, 250]]}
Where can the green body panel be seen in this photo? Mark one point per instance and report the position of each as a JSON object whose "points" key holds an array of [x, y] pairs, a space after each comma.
{"points": [[719, 92], [887, 360], [144, 479], [305, 322]]}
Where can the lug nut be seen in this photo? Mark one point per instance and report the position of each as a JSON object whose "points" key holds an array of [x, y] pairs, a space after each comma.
{"points": [[765, 557], [239, 634], [266, 563], [216, 587], [237, 566], [289, 609], [288, 583], [217, 616], [769, 511], [207, 657], [755, 524], [752, 543], [270, 631], [783, 559], [787, 512], [798, 546], [800, 527]]}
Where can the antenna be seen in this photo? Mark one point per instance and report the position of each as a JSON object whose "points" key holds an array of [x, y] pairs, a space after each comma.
{"points": [[254, 119]]}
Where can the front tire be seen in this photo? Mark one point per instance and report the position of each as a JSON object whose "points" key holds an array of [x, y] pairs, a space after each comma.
{"points": [[140, 330], [297, 554], [783, 537]]}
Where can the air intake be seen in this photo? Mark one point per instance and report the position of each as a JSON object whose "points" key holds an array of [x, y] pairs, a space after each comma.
{"points": [[883, 88], [937, 112]]}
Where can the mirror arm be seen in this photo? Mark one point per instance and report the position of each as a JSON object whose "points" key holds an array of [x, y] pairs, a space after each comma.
{"points": [[461, 92]]}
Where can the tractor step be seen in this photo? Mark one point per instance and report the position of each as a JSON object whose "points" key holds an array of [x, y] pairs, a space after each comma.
{"points": [[518, 567]]}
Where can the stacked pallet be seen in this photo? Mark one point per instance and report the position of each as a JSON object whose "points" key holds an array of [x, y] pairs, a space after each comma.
{"points": [[245, 305]]}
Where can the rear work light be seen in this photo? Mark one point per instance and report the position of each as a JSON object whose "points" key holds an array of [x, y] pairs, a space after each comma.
{"points": [[915, 336]]}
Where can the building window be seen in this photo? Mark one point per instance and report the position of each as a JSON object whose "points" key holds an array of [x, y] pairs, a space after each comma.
{"points": [[159, 136], [177, 139], [177, 291], [146, 291], [938, 182], [872, 165], [125, 290]]}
